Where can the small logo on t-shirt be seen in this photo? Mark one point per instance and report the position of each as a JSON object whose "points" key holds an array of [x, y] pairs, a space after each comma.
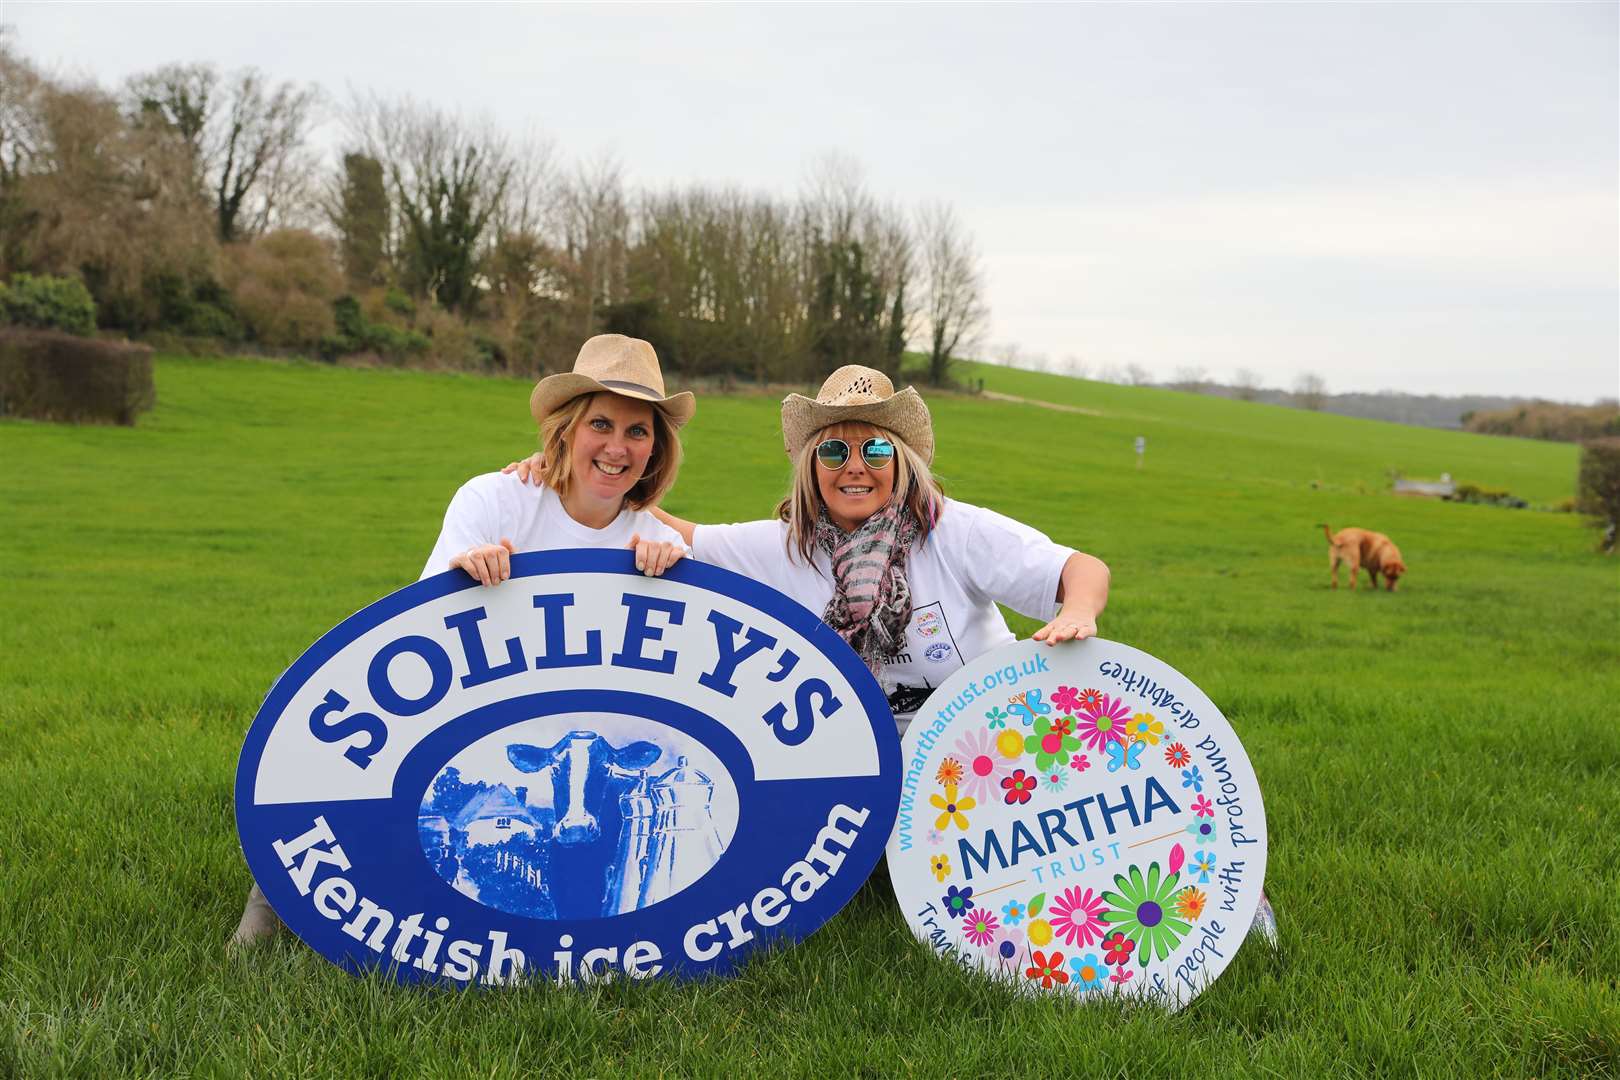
{"points": [[938, 652], [928, 624]]}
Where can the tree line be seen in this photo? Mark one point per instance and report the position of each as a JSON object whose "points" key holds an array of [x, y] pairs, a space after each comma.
{"points": [[193, 201]]}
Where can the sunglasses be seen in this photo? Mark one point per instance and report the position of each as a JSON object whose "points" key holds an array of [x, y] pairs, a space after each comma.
{"points": [[834, 453]]}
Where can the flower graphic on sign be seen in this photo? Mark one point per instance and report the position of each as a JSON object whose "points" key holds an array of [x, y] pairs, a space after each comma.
{"points": [[981, 771], [1010, 745], [1120, 975], [1203, 807], [1202, 831], [1006, 948], [980, 927], [941, 866], [1067, 698], [1077, 916], [1203, 865], [1177, 756], [1144, 728], [949, 772], [951, 808], [1019, 787], [1142, 910], [1040, 932], [1088, 972], [1117, 947], [997, 717], [1192, 778], [1090, 700], [1079, 762], [1013, 912], [1105, 723], [1124, 756], [1050, 744], [1190, 903], [958, 901], [1046, 969], [1056, 780]]}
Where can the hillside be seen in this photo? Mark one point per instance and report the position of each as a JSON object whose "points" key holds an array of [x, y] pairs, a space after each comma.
{"points": [[1439, 772]]}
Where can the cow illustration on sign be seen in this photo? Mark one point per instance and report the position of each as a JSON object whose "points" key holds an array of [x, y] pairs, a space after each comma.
{"points": [[599, 833]]}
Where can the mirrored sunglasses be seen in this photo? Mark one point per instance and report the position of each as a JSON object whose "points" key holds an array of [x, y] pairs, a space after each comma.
{"points": [[833, 454]]}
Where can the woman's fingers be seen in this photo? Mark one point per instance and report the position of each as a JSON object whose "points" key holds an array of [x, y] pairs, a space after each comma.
{"points": [[529, 469], [503, 560], [664, 556], [653, 557], [1062, 629]]}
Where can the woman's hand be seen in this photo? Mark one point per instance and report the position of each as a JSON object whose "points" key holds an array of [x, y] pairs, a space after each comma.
{"points": [[653, 557], [529, 469], [1067, 627], [491, 564], [1082, 594]]}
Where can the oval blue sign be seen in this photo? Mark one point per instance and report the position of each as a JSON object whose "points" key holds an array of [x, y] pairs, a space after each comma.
{"points": [[578, 773]]}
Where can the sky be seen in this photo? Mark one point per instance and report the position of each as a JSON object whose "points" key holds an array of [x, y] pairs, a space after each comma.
{"points": [[1413, 197]]}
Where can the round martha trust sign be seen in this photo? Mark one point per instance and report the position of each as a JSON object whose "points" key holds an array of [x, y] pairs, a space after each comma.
{"points": [[1079, 819], [579, 773]]}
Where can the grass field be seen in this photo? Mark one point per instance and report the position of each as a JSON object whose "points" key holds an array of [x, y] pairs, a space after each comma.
{"points": [[1441, 766]]}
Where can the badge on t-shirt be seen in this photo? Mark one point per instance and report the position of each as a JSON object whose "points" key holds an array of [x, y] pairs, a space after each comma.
{"points": [[577, 773], [1079, 818], [929, 635]]}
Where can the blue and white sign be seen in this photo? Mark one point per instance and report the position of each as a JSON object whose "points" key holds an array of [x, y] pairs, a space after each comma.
{"points": [[579, 773]]}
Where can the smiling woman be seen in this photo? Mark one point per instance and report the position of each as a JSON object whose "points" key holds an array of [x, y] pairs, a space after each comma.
{"points": [[609, 433]]}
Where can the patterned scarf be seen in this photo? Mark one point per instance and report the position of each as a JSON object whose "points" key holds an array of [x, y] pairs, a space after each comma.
{"points": [[871, 602]]}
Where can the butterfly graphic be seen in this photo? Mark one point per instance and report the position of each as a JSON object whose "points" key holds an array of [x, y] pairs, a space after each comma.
{"points": [[1030, 705], [1123, 756]]}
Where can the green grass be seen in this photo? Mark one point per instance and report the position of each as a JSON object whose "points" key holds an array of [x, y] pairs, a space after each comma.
{"points": [[1441, 766]]}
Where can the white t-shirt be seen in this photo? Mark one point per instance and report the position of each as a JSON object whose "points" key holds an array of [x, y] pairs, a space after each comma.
{"points": [[496, 505], [973, 559]]}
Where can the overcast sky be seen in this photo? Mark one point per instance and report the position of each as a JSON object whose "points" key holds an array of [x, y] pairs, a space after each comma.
{"points": [[1404, 196]]}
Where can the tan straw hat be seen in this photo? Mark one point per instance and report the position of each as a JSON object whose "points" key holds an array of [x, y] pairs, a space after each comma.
{"points": [[620, 365], [860, 393]]}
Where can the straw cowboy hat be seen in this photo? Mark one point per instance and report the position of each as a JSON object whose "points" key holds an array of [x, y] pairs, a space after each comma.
{"points": [[619, 365], [859, 393]]}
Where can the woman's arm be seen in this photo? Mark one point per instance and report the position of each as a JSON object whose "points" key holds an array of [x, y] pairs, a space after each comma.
{"points": [[680, 525], [1082, 594]]}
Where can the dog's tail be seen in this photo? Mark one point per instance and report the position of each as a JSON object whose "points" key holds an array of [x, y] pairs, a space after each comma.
{"points": [[1327, 529]]}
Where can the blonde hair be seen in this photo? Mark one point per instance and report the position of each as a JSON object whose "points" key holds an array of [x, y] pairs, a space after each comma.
{"points": [[656, 479], [914, 485]]}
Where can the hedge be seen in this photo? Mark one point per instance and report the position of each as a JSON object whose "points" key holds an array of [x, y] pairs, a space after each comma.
{"points": [[47, 375]]}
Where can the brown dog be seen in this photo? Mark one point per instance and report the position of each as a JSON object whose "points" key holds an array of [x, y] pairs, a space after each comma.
{"points": [[1365, 549]]}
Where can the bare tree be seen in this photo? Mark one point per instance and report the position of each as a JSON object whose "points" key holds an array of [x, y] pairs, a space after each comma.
{"points": [[1246, 382], [108, 202], [953, 302], [248, 139], [595, 230], [1075, 366], [1137, 375], [1007, 355], [448, 178], [1191, 378], [1310, 391]]}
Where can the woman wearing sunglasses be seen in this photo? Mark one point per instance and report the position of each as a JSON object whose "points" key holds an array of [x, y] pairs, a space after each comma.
{"points": [[866, 536]]}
